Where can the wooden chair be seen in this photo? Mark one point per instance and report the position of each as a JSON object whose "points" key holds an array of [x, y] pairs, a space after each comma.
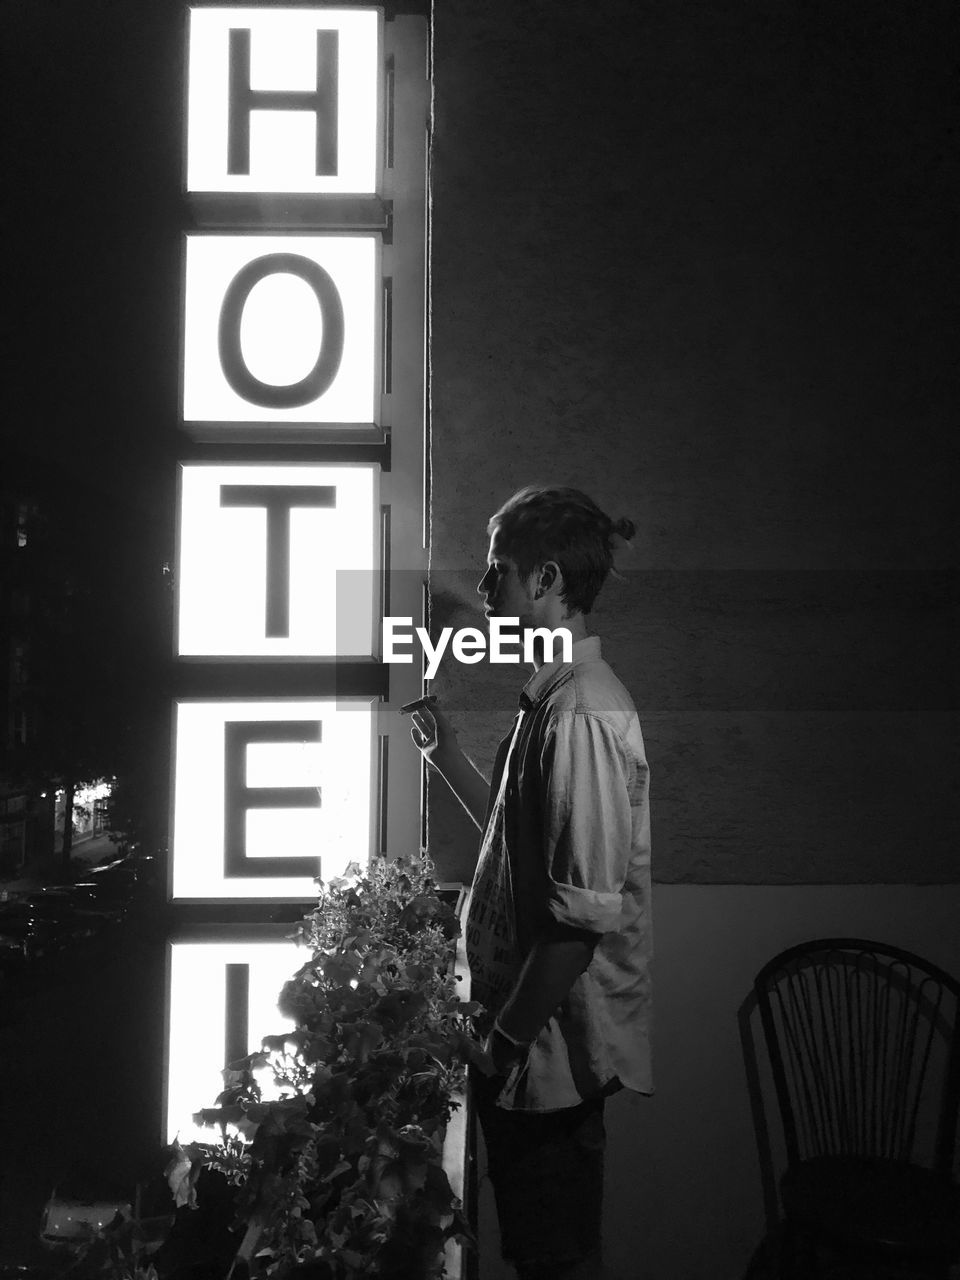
{"points": [[864, 1047]]}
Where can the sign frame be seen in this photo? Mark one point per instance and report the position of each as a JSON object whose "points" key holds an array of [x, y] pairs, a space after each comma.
{"points": [[378, 574], [264, 429], [273, 208], [214, 932], [264, 903]]}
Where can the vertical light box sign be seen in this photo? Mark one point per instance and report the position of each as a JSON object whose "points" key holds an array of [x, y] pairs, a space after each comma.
{"points": [[222, 1001], [281, 327], [278, 561], [284, 100], [270, 794]]}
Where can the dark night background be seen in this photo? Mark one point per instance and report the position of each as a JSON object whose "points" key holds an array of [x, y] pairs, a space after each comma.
{"points": [[699, 258], [93, 179]]}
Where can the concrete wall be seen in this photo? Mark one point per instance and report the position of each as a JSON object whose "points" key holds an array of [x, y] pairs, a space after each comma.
{"points": [[684, 1195], [690, 257]]}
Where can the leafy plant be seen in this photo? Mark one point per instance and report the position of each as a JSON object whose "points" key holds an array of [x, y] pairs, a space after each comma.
{"points": [[342, 1173]]}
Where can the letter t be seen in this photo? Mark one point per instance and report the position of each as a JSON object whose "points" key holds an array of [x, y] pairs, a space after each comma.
{"points": [[279, 500]]}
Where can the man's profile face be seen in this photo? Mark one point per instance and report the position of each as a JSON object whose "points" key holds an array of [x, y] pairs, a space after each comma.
{"points": [[505, 594]]}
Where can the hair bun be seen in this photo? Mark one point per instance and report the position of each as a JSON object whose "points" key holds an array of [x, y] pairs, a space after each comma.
{"points": [[624, 528]]}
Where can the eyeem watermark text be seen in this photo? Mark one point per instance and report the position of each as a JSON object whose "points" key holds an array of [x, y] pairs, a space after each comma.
{"points": [[469, 644]]}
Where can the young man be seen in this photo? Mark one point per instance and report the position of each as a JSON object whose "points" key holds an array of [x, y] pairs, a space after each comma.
{"points": [[558, 926]]}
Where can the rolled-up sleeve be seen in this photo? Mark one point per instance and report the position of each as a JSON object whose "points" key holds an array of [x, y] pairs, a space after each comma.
{"points": [[587, 821]]}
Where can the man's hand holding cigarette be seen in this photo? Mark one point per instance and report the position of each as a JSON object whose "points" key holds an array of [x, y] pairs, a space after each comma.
{"points": [[436, 739]]}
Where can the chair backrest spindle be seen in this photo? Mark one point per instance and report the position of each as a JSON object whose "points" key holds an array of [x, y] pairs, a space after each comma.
{"points": [[864, 1046]]}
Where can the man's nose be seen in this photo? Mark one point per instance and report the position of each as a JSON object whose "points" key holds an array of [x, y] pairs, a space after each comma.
{"points": [[481, 589]]}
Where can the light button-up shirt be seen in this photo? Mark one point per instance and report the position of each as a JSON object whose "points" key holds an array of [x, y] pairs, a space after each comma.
{"points": [[567, 838]]}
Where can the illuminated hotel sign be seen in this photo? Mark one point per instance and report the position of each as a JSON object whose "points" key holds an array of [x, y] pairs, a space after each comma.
{"points": [[284, 100], [222, 1000], [278, 561], [300, 493], [281, 328], [261, 787]]}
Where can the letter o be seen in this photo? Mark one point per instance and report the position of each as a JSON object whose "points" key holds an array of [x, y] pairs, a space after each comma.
{"points": [[294, 394]]}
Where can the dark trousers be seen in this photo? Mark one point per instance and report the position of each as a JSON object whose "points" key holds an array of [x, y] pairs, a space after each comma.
{"points": [[547, 1174]]}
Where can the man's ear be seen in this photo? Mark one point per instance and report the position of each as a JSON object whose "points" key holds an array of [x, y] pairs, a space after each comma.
{"points": [[549, 575]]}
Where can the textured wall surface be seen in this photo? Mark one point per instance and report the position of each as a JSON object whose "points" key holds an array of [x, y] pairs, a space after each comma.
{"points": [[691, 258]]}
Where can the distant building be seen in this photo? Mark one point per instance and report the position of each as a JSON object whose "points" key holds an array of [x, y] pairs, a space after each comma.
{"points": [[15, 513], [26, 805]]}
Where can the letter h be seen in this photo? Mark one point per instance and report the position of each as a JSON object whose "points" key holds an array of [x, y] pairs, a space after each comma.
{"points": [[322, 101]]}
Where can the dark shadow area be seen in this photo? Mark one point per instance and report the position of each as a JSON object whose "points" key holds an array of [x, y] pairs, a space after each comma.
{"points": [[81, 1054]]}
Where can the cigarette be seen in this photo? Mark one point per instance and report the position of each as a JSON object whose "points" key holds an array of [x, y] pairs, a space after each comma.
{"points": [[417, 702]]}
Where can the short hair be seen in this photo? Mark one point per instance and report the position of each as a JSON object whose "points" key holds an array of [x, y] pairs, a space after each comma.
{"points": [[541, 523]]}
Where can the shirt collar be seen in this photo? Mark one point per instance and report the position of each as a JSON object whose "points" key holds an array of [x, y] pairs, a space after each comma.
{"points": [[544, 681]]}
